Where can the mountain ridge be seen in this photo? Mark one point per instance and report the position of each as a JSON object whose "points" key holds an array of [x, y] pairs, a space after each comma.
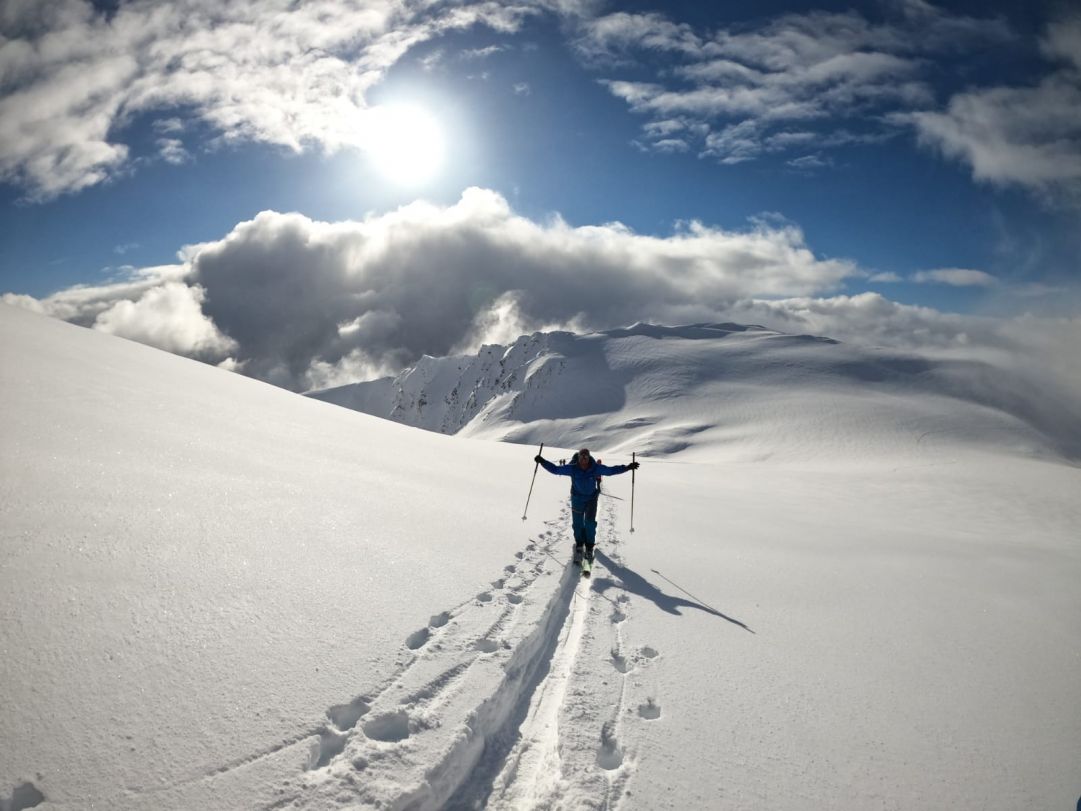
{"points": [[743, 391]]}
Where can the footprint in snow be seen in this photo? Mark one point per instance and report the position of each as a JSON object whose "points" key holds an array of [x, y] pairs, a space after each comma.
{"points": [[439, 620], [484, 597], [25, 795], [514, 599], [609, 753], [330, 744], [486, 645], [649, 653], [345, 716], [390, 727], [620, 663], [651, 710], [418, 638], [498, 584]]}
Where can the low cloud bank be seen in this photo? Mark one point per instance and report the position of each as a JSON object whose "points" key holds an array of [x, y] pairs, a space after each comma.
{"points": [[306, 304], [302, 304]]}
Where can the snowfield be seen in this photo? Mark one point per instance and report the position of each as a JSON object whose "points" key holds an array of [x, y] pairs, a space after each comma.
{"points": [[850, 585]]}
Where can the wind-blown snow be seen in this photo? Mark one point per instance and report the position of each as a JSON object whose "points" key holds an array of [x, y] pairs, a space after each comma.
{"points": [[217, 594]]}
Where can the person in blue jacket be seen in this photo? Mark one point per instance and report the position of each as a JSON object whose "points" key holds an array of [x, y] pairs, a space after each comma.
{"points": [[584, 471]]}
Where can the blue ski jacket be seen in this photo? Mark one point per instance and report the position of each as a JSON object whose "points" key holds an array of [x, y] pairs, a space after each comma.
{"points": [[584, 482]]}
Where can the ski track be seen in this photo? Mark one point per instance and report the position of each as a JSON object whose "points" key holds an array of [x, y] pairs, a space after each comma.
{"points": [[518, 697]]}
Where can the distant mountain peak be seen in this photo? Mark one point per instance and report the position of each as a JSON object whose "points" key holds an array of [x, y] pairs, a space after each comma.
{"points": [[739, 391]]}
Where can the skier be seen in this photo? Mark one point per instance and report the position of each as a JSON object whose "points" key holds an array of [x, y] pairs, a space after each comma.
{"points": [[585, 472]]}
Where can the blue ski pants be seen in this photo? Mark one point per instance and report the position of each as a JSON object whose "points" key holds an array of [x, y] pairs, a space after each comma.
{"points": [[584, 522]]}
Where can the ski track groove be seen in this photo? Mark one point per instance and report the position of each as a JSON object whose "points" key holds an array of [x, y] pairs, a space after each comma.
{"points": [[479, 712], [431, 691]]}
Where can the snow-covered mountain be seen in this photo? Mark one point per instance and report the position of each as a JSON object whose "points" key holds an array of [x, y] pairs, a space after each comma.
{"points": [[216, 594], [738, 392]]}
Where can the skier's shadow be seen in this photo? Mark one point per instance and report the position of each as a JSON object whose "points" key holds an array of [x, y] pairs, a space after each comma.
{"points": [[636, 584]]}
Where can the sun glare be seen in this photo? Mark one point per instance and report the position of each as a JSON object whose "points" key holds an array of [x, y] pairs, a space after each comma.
{"points": [[406, 144]]}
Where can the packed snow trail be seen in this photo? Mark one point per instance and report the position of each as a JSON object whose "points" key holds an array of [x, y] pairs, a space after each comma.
{"points": [[572, 752], [438, 733], [503, 701], [517, 713], [532, 773]]}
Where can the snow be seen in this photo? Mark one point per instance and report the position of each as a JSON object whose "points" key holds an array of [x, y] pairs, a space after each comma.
{"points": [[846, 590], [722, 392]]}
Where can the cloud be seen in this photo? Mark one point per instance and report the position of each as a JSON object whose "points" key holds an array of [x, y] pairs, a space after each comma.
{"points": [[172, 150], [170, 318], [298, 302], [296, 75], [1027, 136], [306, 304], [955, 277], [739, 92], [82, 304], [1025, 352]]}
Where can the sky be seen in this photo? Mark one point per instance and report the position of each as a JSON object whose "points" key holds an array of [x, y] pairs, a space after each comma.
{"points": [[322, 192]]}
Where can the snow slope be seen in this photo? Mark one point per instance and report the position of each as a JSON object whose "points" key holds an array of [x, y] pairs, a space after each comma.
{"points": [[217, 594], [723, 392]]}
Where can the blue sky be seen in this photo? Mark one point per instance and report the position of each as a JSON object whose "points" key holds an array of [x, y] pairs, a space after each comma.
{"points": [[932, 150]]}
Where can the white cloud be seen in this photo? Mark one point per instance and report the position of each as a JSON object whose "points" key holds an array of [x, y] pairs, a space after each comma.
{"points": [[168, 317], [82, 304], [172, 150], [955, 277], [482, 53], [272, 71], [745, 87], [809, 163], [1029, 136], [306, 302], [1040, 352]]}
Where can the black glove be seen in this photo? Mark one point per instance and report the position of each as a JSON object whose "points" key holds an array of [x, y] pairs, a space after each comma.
{"points": [[634, 466], [538, 458]]}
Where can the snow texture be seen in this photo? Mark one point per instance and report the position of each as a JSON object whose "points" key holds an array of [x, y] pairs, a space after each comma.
{"points": [[723, 391], [217, 594]]}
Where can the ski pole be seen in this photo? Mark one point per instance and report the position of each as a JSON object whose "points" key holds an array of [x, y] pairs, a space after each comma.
{"points": [[633, 471], [535, 466]]}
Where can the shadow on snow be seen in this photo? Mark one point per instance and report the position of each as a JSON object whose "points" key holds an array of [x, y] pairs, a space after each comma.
{"points": [[636, 584]]}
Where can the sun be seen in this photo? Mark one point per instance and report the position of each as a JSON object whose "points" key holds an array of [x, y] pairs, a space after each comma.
{"points": [[405, 144]]}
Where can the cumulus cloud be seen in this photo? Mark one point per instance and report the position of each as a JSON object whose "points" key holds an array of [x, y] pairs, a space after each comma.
{"points": [[955, 277], [306, 304], [168, 317], [291, 74], [798, 81], [1027, 136], [299, 303]]}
